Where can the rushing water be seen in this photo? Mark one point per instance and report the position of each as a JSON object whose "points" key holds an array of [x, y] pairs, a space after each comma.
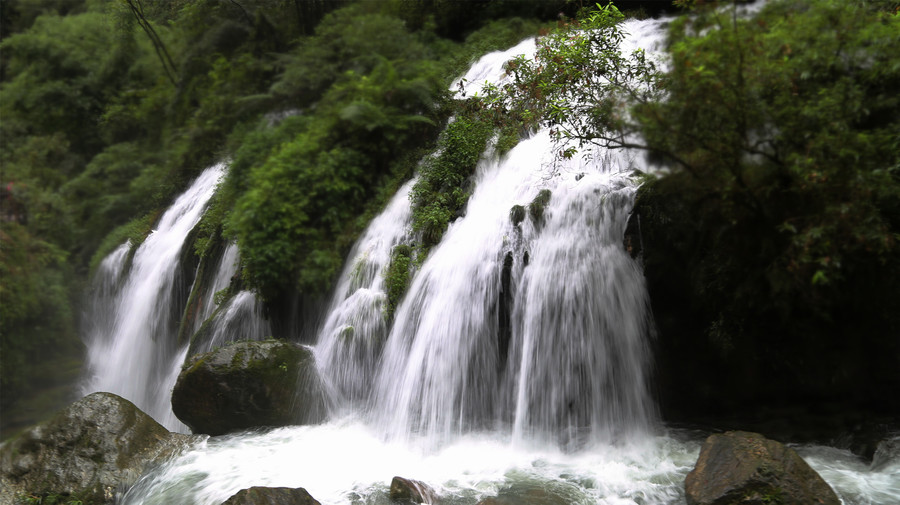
{"points": [[515, 366], [132, 349]]}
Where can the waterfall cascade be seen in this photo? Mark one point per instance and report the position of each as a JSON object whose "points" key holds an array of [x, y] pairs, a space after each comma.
{"points": [[132, 349], [516, 361]]}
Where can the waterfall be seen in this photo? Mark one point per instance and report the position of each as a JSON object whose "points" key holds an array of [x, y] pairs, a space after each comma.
{"points": [[132, 347], [514, 367], [537, 325], [561, 349]]}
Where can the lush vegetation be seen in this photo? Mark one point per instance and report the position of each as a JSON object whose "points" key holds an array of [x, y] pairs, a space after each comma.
{"points": [[771, 243], [110, 109]]}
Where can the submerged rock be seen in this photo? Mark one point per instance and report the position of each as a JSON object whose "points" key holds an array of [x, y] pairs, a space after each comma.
{"points": [[406, 491], [746, 468], [271, 496], [87, 452], [247, 385]]}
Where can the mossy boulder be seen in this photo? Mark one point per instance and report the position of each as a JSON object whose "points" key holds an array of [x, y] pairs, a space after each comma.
{"points": [[247, 385], [271, 496], [746, 468], [537, 206], [87, 452]]}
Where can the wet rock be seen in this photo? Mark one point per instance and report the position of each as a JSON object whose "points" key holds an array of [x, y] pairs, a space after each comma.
{"points": [[407, 491], [536, 207], [746, 468], [516, 214], [246, 385], [87, 452], [271, 496]]}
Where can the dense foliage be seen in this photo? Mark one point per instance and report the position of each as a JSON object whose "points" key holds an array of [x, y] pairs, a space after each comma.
{"points": [[780, 221]]}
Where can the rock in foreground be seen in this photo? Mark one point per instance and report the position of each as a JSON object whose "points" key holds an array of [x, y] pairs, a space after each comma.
{"points": [[247, 385], [88, 451], [748, 469], [407, 491], [271, 496]]}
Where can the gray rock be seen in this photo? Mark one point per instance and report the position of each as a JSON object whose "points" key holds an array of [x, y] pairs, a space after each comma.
{"points": [[408, 491], [746, 468], [247, 385], [88, 451], [271, 496]]}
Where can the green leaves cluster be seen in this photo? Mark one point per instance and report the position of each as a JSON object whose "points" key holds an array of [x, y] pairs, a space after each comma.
{"points": [[791, 122], [304, 186], [579, 83]]}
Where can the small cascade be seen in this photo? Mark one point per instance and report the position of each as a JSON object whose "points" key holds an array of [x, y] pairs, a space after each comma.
{"points": [[240, 318], [227, 268], [356, 327], [132, 345]]}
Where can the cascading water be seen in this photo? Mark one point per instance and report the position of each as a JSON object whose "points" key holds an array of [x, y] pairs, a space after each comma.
{"points": [[355, 328], [227, 268], [132, 349], [515, 365], [237, 318], [576, 357]]}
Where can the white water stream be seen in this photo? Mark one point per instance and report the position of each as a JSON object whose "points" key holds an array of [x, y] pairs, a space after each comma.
{"points": [[515, 366], [132, 349]]}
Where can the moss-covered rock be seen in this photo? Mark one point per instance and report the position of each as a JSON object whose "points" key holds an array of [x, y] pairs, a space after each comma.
{"points": [[271, 496], [396, 277], [746, 468], [246, 385], [86, 452], [516, 214], [537, 206]]}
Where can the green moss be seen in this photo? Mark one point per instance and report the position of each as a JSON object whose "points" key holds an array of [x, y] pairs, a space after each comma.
{"points": [[396, 277], [507, 138], [442, 191], [135, 231], [517, 214], [537, 206]]}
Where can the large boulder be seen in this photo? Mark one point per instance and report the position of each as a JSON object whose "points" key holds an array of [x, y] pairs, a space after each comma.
{"points": [[746, 468], [247, 385], [271, 496], [88, 451]]}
